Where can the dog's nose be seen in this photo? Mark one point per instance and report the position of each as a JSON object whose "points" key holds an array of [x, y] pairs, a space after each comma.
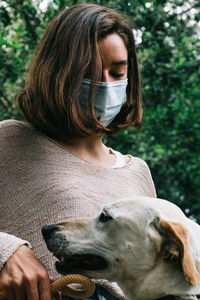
{"points": [[48, 230]]}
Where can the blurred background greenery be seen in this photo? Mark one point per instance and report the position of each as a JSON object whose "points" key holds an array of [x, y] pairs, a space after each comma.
{"points": [[168, 45]]}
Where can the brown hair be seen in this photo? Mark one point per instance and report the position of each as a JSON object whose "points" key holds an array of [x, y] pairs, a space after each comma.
{"points": [[50, 99]]}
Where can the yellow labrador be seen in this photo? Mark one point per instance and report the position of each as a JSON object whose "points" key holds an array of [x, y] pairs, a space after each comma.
{"points": [[147, 245]]}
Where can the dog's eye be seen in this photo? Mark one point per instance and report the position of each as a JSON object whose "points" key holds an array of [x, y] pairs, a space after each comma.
{"points": [[104, 216]]}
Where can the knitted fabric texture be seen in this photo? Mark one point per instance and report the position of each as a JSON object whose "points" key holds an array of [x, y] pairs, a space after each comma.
{"points": [[43, 183]]}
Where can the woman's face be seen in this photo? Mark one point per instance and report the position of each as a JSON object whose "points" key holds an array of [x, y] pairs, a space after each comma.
{"points": [[114, 57]]}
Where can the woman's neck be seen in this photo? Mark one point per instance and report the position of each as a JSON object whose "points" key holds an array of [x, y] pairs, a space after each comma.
{"points": [[90, 149]]}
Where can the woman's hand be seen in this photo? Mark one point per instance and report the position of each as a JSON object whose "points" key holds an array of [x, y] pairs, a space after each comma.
{"points": [[24, 277]]}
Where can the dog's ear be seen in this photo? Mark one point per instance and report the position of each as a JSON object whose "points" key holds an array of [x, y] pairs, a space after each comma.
{"points": [[172, 245]]}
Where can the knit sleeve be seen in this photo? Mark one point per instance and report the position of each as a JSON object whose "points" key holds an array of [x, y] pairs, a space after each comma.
{"points": [[151, 186], [145, 178], [8, 245]]}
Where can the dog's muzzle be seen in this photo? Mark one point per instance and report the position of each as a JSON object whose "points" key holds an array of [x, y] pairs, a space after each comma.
{"points": [[72, 262]]}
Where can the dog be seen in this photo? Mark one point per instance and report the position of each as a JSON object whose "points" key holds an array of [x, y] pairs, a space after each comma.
{"points": [[147, 245]]}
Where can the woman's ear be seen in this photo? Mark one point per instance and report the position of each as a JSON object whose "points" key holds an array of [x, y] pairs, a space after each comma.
{"points": [[171, 240]]}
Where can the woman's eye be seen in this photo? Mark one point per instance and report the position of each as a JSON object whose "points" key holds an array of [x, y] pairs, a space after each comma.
{"points": [[118, 75], [104, 217]]}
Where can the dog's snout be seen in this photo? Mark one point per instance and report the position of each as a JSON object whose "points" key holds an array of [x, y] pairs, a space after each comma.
{"points": [[48, 230]]}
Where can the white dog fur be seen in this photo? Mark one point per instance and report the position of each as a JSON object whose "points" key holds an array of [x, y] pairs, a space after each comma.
{"points": [[149, 247]]}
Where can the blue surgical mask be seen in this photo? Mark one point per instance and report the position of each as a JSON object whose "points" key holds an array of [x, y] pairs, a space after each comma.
{"points": [[108, 100]]}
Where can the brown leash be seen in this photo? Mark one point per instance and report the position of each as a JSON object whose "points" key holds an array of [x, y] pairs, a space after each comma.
{"points": [[62, 283]]}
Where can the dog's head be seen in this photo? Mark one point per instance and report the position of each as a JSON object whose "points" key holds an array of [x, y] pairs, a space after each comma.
{"points": [[126, 243]]}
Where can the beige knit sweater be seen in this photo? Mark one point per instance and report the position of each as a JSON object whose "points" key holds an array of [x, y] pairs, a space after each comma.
{"points": [[43, 183]]}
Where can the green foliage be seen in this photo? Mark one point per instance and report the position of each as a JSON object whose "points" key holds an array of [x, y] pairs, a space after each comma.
{"points": [[170, 65]]}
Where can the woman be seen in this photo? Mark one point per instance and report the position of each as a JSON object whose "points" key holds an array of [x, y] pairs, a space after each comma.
{"points": [[83, 82]]}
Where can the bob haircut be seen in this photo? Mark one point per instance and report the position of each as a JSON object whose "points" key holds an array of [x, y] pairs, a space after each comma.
{"points": [[69, 46]]}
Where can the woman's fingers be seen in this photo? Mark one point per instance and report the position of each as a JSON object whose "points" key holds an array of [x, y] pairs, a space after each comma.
{"points": [[24, 277], [44, 289]]}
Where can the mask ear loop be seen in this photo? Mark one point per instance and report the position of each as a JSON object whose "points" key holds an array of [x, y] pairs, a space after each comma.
{"points": [[87, 83]]}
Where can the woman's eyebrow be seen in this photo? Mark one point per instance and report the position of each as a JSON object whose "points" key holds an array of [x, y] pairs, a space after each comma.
{"points": [[120, 62]]}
